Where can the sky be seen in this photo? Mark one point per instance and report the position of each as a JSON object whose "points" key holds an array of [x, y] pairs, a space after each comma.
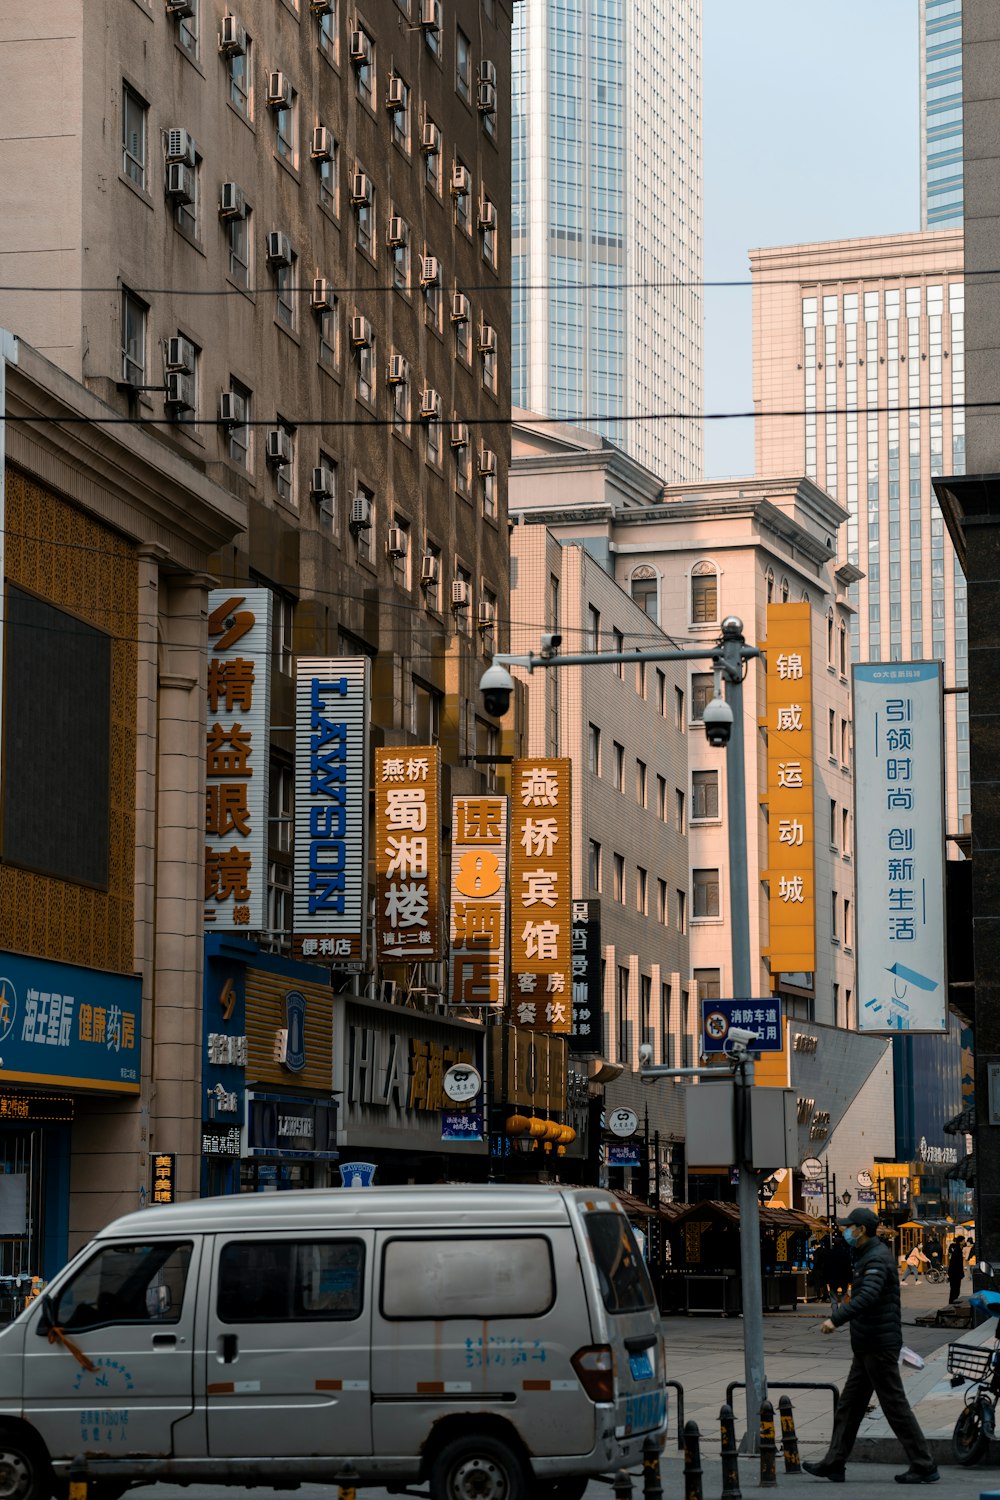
{"points": [[811, 115]]}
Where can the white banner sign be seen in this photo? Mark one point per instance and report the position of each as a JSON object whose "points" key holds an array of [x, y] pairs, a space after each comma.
{"points": [[332, 705], [899, 847]]}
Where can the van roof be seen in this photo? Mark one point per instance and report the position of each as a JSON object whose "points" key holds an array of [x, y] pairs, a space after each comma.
{"points": [[325, 1208]]}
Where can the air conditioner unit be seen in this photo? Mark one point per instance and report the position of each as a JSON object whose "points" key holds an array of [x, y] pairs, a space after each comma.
{"points": [[322, 485], [278, 90], [487, 339], [361, 513], [233, 204], [181, 183], [279, 249], [460, 594], [487, 215], [181, 147], [232, 409], [459, 308], [430, 568], [461, 180], [459, 435], [487, 71], [279, 446], [180, 9], [180, 354], [322, 294], [361, 52], [486, 98], [320, 7], [398, 370], [430, 15], [430, 139], [397, 542], [321, 146], [430, 405], [395, 234], [396, 95], [361, 188], [361, 331], [487, 614], [430, 270], [232, 38], [487, 462], [180, 391]]}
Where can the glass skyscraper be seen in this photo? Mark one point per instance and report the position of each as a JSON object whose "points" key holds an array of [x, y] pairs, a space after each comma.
{"points": [[940, 114], [607, 221]]}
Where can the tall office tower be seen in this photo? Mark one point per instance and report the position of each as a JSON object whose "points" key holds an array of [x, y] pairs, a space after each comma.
{"points": [[862, 342], [941, 170], [607, 221]]}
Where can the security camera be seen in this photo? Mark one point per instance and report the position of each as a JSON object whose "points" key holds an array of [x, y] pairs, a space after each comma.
{"points": [[739, 1042], [496, 686], [550, 645], [645, 1055], [718, 720]]}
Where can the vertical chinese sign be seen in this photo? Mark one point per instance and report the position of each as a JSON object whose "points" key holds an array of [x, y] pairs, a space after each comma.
{"points": [[478, 900], [791, 854], [588, 1001], [899, 846], [238, 749], [332, 708], [407, 853], [541, 907]]}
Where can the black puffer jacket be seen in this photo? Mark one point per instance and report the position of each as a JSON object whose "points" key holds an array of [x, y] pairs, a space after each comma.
{"points": [[873, 1311]]}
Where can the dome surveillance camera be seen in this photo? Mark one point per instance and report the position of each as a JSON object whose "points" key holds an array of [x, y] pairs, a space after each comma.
{"points": [[496, 686], [718, 721]]}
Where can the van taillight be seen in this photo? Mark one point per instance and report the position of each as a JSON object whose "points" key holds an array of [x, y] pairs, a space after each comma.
{"points": [[595, 1366]]}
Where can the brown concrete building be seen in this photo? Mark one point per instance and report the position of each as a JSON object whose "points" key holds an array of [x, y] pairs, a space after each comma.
{"points": [[278, 233]]}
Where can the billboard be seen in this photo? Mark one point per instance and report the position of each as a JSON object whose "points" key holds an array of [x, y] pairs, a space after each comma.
{"points": [[77, 1028], [332, 708], [478, 900], [238, 755], [587, 1035], [899, 846], [791, 862], [408, 853], [540, 895]]}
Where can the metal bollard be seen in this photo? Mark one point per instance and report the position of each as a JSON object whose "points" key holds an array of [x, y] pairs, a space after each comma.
{"points": [[768, 1448], [730, 1455], [652, 1485], [692, 1462], [346, 1492], [789, 1442], [78, 1479], [623, 1485]]}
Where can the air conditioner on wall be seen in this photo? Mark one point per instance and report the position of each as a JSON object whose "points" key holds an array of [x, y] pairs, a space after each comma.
{"points": [[460, 594], [321, 145], [361, 188], [278, 91], [321, 483], [232, 409], [181, 183], [395, 98], [180, 146], [232, 204], [179, 354], [461, 180], [430, 139], [487, 462], [398, 370], [180, 391], [360, 48], [459, 435], [430, 15], [430, 270], [279, 249], [395, 235], [232, 38], [430, 404], [361, 331], [279, 446], [430, 568], [487, 614], [459, 308], [396, 541], [361, 513], [321, 298]]}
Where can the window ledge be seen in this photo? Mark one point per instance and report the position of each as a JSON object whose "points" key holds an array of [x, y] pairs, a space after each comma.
{"points": [[291, 333], [242, 115], [186, 235], [143, 194], [244, 291], [290, 167]]}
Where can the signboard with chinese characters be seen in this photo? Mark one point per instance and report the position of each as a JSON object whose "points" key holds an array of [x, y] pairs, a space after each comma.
{"points": [[898, 790], [73, 1027], [220, 1140], [588, 1002], [238, 751], [462, 1125], [623, 1156], [224, 1031], [718, 1017], [289, 1029], [332, 706], [791, 863], [541, 964], [407, 853], [163, 1165], [536, 1068], [478, 900]]}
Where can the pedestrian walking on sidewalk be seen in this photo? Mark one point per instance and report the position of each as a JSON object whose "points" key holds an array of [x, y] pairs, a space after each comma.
{"points": [[914, 1263], [876, 1339], [956, 1268], [839, 1272]]}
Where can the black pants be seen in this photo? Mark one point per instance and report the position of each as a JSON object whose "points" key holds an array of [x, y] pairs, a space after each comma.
{"points": [[954, 1287], [876, 1370]]}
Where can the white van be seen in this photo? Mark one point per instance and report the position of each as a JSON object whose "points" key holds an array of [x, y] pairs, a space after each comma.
{"points": [[492, 1340]]}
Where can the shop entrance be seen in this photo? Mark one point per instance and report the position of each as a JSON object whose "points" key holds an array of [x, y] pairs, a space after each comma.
{"points": [[22, 1230]]}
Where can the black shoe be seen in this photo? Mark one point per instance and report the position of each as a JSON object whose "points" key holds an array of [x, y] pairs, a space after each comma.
{"points": [[823, 1470], [914, 1475]]}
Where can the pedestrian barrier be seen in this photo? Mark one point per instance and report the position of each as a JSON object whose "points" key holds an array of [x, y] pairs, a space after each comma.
{"points": [[768, 1448], [789, 1441], [344, 1492], [788, 1385], [692, 1462], [77, 1479], [676, 1386], [652, 1484], [623, 1485], [730, 1455]]}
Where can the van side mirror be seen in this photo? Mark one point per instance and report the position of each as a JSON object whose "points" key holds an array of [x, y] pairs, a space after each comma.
{"points": [[158, 1301]]}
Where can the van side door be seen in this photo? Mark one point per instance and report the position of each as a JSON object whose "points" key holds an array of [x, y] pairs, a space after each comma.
{"points": [[287, 1349]]}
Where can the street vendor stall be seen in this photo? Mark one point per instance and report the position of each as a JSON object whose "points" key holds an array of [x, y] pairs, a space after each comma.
{"points": [[705, 1257]]}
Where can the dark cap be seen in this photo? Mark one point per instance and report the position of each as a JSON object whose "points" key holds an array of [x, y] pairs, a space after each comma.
{"points": [[863, 1217]]}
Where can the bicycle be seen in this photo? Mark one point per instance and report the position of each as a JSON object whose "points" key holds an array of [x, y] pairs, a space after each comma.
{"points": [[976, 1425]]}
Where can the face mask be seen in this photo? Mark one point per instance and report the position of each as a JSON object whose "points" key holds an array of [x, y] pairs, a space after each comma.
{"points": [[850, 1234]]}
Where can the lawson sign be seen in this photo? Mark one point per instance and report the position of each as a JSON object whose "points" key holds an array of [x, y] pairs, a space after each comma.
{"points": [[78, 1028]]}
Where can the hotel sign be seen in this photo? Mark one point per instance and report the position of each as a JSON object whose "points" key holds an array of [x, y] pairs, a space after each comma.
{"points": [[540, 895], [791, 850], [408, 853], [478, 900]]}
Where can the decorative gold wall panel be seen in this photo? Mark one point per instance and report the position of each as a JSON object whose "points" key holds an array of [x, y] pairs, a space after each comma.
{"points": [[78, 564]]}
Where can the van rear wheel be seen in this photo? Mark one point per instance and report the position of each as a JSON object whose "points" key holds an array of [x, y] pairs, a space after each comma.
{"points": [[25, 1473], [477, 1467]]}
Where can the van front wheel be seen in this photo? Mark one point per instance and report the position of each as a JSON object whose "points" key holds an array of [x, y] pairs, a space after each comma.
{"points": [[476, 1468], [24, 1469]]}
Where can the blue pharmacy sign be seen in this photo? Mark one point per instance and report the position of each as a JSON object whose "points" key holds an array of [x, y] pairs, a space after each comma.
{"points": [[718, 1017], [78, 1028]]}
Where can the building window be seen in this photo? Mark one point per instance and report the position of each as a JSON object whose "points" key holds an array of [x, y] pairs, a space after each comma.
{"points": [[488, 628], [769, 585], [662, 908], [646, 1007], [704, 795], [279, 906], [487, 749], [680, 722], [843, 651], [680, 819], [463, 66], [661, 798], [594, 749], [401, 405], [364, 222], [618, 877], [328, 334], [135, 115], [239, 240], [708, 983], [187, 31], [284, 474], [618, 649], [640, 782], [661, 693], [329, 181], [463, 331], [640, 679], [490, 371], [434, 442], [285, 301], [845, 825], [594, 864], [489, 232], [286, 129], [432, 590], [784, 591], [833, 824], [705, 893], [593, 629], [831, 733], [462, 200], [364, 385], [364, 72], [401, 121], [834, 915], [240, 451], [681, 911], [619, 754], [463, 617], [702, 693], [282, 808], [329, 32], [400, 557], [134, 315], [186, 215], [621, 1013], [666, 1032], [433, 159], [644, 590], [240, 72], [490, 496], [641, 891], [704, 594], [829, 637], [845, 743], [847, 922], [425, 721], [366, 534], [329, 518], [282, 633]]}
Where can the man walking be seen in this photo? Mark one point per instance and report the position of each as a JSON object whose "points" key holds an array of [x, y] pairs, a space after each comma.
{"points": [[876, 1339]]}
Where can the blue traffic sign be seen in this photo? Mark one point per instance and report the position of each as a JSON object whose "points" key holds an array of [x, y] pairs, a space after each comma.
{"points": [[719, 1017]]}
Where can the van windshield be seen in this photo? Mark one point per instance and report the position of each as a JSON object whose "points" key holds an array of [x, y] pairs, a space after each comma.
{"points": [[621, 1271]]}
